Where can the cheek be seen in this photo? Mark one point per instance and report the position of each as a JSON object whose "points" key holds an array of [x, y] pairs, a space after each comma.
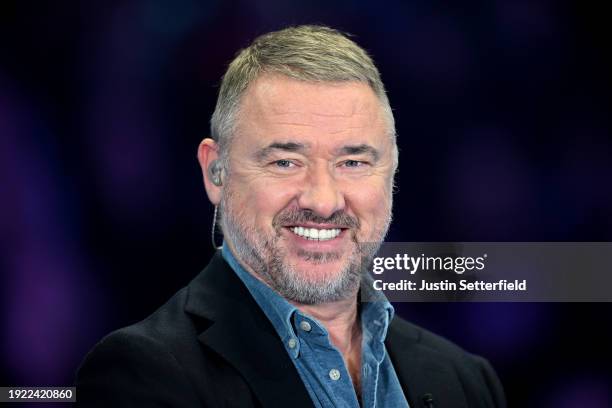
{"points": [[371, 204], [263, 200]]}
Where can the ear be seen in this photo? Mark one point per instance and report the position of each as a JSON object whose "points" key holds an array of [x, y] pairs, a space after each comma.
{"points": [[208, 151]]}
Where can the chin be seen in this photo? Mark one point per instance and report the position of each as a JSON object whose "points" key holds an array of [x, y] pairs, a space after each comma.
{"points": [[317, 271]]}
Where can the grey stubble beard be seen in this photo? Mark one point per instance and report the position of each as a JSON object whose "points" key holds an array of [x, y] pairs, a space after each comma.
{"points": [[265, 257]]}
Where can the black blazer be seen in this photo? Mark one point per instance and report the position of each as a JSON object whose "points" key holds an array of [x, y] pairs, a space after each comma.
{"points": [[211, 345]]}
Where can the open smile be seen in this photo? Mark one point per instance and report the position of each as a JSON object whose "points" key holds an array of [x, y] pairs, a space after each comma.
{"points": [[316, 234]]}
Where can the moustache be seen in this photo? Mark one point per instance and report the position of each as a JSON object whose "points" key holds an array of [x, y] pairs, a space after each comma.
{"points": [[339, 219]]}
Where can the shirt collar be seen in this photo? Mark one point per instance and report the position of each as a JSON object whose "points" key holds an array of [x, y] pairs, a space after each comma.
{"points": [[376, 315]]}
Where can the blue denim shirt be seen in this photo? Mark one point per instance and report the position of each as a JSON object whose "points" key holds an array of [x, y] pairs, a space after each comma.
{"points": [[318, 362]]}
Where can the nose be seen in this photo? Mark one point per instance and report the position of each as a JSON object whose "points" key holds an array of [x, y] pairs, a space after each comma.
{"points": [[321, 193]]}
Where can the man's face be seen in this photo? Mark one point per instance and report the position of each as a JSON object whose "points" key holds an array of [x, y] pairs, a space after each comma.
{"points": [[308, 192]]}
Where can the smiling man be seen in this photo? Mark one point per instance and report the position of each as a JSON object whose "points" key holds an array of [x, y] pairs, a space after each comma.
{"points": [[300, 167], [309, 185]]}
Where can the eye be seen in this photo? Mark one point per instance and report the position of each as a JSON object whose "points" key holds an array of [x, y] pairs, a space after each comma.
{"points": [[354, 163], [284, 163]]}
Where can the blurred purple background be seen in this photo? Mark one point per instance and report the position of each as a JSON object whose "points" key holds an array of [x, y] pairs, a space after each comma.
{"points": [[503, 115]]}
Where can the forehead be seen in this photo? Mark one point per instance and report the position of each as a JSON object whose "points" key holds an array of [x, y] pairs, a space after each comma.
{"points": [[277, 106]]}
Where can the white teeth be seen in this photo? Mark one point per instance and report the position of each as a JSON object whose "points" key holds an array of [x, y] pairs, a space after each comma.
{"points": [[316, 234]]}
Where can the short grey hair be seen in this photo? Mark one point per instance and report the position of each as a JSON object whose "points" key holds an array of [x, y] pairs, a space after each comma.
{"points": [[308, 53]]}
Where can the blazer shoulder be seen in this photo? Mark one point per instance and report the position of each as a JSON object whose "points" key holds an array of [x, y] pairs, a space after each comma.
{"points": [[475, 372], [417, 334], [138, 364], [129, 368], [168, 325]]}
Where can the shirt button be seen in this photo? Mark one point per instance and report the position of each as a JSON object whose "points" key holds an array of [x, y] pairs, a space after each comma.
{"points": [[334, 374], [292, 343], [304, 325]]}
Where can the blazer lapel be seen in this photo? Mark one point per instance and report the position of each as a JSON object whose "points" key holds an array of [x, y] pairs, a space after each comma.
{"points": [[240, 332], [422, 370]]}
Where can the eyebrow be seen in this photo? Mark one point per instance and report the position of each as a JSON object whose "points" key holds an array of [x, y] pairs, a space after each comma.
{"points": [[261, 154], [294, 147], [359, 149]]}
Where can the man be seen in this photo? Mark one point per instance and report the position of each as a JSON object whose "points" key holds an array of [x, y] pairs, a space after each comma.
{"points": [[300, 167]]}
